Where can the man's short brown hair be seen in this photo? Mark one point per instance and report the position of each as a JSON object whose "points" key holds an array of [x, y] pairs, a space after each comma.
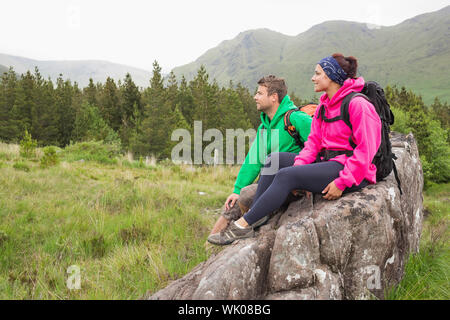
{"points": [[274, 85]]}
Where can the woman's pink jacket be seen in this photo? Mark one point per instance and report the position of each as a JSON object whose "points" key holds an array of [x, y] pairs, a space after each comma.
{"points": [[334, 136]]}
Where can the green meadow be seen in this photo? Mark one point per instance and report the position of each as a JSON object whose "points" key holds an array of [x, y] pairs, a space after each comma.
{"points": [[427, 273], [132, 225]]}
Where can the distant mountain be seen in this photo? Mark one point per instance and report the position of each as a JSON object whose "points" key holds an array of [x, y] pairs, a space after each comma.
{"points": [[414, 53], [3, 69], [79, 71]]}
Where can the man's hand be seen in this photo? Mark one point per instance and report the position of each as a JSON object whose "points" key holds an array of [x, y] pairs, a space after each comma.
{"points": [[332, 192], [231, 198]]}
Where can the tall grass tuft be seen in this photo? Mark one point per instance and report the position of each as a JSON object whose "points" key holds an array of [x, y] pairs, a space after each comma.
{"points": [[427, 273]]}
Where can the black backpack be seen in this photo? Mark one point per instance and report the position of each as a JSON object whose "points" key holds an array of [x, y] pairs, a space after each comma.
{"points": [[384, 158]]}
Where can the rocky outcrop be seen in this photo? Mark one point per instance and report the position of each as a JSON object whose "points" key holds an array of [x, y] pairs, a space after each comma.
{"points": [[353, 248]]}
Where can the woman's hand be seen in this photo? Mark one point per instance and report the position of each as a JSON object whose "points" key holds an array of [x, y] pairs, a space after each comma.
{"points": [[332, 192]]}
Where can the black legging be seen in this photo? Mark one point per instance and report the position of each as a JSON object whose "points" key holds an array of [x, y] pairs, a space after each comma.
{"points": [[275, 185]]}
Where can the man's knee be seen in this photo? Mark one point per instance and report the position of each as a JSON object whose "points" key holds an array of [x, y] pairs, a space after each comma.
{"points": [[272, 164], [268, 160], [242, 205], [233, 214], [246, 198], [283, 176]]}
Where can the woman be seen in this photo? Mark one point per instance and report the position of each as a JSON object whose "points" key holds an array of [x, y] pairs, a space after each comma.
{"points": [[328, 164]]}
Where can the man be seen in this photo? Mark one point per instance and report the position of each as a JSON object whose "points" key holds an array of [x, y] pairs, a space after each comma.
{"points": [[272, 100]]}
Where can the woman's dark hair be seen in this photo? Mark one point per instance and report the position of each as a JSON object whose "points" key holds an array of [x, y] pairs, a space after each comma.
{"points": [[349, 64]]}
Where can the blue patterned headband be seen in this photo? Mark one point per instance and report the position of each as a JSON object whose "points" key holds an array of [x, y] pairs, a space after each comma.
{"points": [[333, 70]]}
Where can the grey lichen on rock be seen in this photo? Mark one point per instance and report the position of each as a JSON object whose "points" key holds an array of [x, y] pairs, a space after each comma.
{"points": [[355, 247]]}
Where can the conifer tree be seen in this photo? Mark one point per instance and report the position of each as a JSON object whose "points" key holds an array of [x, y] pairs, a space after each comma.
{"points": [[9, 130], [186, 101], [177, 121], [77, 97], [299, 101], [441, 112], [205, 99], [134, 133], [131, 107], [89, 125], [109, 104], [172, 91], [249, 106], [23, 102], [231, 107], [44, 118], [130, 97], [403, 99], [90, 93], [65, 110], [153, 134]]}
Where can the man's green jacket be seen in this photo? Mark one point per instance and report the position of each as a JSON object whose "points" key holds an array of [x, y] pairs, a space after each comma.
{"points": [[272, 137]]}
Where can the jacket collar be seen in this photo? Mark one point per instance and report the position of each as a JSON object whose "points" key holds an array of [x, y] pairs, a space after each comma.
{"points": [[285, 105], [349, 86]]}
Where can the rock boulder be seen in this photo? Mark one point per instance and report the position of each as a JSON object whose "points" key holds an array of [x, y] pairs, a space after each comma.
{"points": [[353, 248]]}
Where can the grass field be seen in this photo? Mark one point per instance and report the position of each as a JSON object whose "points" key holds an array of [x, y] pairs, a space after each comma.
{"points": [[131, 227], [427, 273]]}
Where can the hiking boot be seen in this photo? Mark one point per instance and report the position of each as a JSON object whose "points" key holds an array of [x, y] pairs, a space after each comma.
{"points": [[230, 234], [261, 221]]}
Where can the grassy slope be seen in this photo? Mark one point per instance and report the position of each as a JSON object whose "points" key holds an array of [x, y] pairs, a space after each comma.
{"points": [[129, 229], [414, 53]]}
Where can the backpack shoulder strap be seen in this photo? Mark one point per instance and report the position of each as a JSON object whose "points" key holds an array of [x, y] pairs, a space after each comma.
{"points": [[345, 114], [321, 114], [291, 128], [287, 120], [346, 104]]}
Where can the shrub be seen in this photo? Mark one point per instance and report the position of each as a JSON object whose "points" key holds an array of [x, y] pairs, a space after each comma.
{"points": [[401, 121], [439, 153], [89, 125], [50, 157], [92, 151], [27, 146], [21, 166], [431, 138]]}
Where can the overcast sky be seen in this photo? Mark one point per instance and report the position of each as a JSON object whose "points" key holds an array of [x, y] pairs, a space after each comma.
{"points": [[174, 32]]}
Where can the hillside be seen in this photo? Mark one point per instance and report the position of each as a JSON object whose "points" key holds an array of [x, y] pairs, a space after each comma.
{"points": [[79, 71], [3, 69], [414, 53]]}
